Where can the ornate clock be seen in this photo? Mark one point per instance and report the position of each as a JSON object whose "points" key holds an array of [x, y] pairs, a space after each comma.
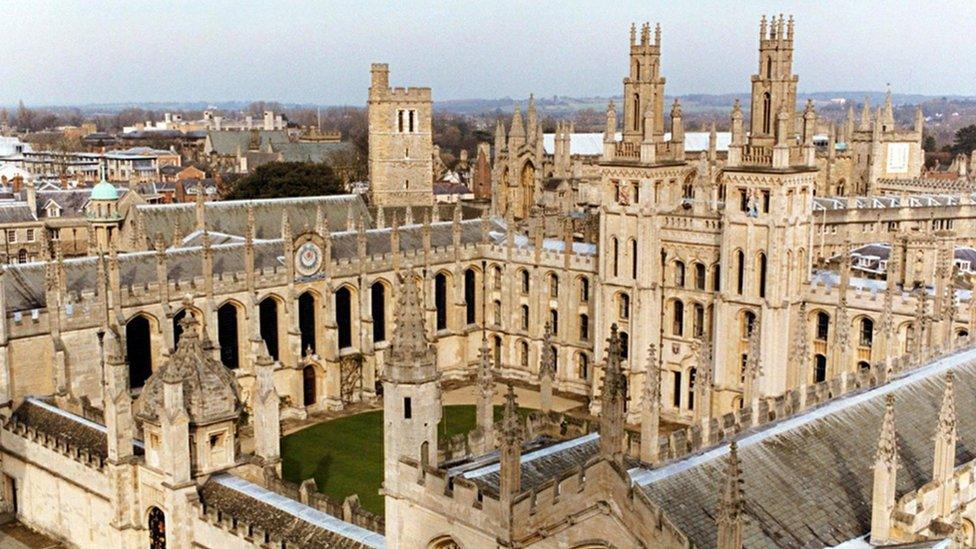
{"points": [[308, 259]]}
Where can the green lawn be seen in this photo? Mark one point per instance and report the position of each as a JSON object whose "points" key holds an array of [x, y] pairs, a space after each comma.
{"points": [[345, 455]]}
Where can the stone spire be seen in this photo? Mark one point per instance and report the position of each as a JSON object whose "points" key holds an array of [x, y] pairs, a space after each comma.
{"points": [[517, 132], [728, 516], [499, 138], [885, 468], [486, 391], [651, 409], [945, 448], [865, 122], [612, 402], [888, 118], [531, 119], [510, 447], [411, 354], [547, 370]]}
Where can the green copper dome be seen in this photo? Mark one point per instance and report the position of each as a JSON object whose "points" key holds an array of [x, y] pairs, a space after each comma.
{"points": [[104, 191]]}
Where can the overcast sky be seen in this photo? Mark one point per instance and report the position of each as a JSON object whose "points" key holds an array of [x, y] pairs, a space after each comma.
{"points": [[69, 52]]}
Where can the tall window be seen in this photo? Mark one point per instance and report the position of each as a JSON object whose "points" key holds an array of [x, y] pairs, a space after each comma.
{"points": [[767, 108], [762, 274], [497, 307], [553, 285], [525, 281], [624, 345], [440, 300], [633, 258], [268, 319], [699, 276], [867, 332], [676, 390], [678, 318], [698, 322], [584, 366], [584, 327], [470, 297], [584, 289], [819, 368], [525, 317], [679, 274], [343, 313], [823, 326], [740, 266], [624, 306], [554, 322], [523, 354], [306, 322], [377, 299]]}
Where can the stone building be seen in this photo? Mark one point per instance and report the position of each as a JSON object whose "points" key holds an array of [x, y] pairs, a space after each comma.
{"points": [[710, 300]]}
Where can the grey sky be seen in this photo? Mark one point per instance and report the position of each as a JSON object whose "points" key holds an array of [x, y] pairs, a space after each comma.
{"points": [[303, 51]]}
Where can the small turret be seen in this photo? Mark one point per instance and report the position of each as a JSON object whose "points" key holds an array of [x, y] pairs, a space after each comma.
{"points": [[728, 516], [612, 402], [885, 468]]}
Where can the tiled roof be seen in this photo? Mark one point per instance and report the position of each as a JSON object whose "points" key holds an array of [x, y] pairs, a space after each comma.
{"points": [[229, 142], [808, 478], [310, 152], [294, 522], [74, 430]]}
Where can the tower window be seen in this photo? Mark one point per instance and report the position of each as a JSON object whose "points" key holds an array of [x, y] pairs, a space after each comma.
{"points": [[407, 408], [767, 108]]}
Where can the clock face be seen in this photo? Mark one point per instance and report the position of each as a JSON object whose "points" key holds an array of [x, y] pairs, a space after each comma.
{"points": [[308, 259]]}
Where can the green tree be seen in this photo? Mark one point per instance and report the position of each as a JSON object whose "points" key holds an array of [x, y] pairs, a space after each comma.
{"points": [[929, 144], [287, 179], [965, 140]]}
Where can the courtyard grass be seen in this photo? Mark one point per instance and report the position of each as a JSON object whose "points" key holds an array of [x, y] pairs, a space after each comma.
{"points": [[345, 455]]}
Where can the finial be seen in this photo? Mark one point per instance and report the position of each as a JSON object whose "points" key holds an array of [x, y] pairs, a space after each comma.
{"points": [[887, 454], [947, 414]]}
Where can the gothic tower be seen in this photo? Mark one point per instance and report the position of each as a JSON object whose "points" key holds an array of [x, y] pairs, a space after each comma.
{"points": [[411, 403], [774, 87], [644, 86], [400, 144]]}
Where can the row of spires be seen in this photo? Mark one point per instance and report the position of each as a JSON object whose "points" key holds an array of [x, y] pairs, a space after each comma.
{"points": [[777, 28], [645, 35]]}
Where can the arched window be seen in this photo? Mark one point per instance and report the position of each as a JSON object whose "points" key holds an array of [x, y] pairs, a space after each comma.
{"points": [[761, 271], [554, 322], [497, 277], [470, 297], [863, 365], [523, 354], [677, 318], [377, 305], [227, 335], [823, 326], [268, 317], [740, 267], [157, 528], [679, 274], [637, 112], [524, 275], [343, 316], [178, 326], [525, 317], [497, 352], [308, 385], [676, 390], [306, 322], [624, 345], [624, 306], [767, 107], [497, 307], [633, 258], [584, 327], [584, 288], [443, 542], [138, 350], [614, 248], [716, 277], [698, 322], [699, 276], [692, 379], [583, 363], [440, 300], [22, 256], [553, 285], [819, 368], [867, 332], [748, 322]]}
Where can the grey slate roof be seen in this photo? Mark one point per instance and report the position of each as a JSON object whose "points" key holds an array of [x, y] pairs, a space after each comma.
{"points": [[71, 201], [310, 152], [230, 216], [229, 142], [16, 212], [61, 425], [243, 507], [808, 479]]}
